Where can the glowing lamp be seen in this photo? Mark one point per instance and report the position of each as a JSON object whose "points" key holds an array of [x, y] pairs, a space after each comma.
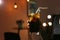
{"points": [[15, 5], [28, 0], [44, 24], [49, 16], [50, 23]]}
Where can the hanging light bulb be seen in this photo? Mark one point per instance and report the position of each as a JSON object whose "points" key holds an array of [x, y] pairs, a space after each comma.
{"points": [[28, 0], [50, 23], [44, 24], [15, 5], [49, 16]]}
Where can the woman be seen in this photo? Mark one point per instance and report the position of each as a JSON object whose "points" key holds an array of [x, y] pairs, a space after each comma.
{"points": [[34, 27]]}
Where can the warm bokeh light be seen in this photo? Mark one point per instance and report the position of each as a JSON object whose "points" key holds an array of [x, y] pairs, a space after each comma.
{"points": [[50, 23], [44, 24], [28, 0], [49, 16], [0, 2], [15, 6]]}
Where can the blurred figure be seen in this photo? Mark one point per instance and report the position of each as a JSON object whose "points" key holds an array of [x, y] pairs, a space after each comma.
{"points": [[34, 27]]}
